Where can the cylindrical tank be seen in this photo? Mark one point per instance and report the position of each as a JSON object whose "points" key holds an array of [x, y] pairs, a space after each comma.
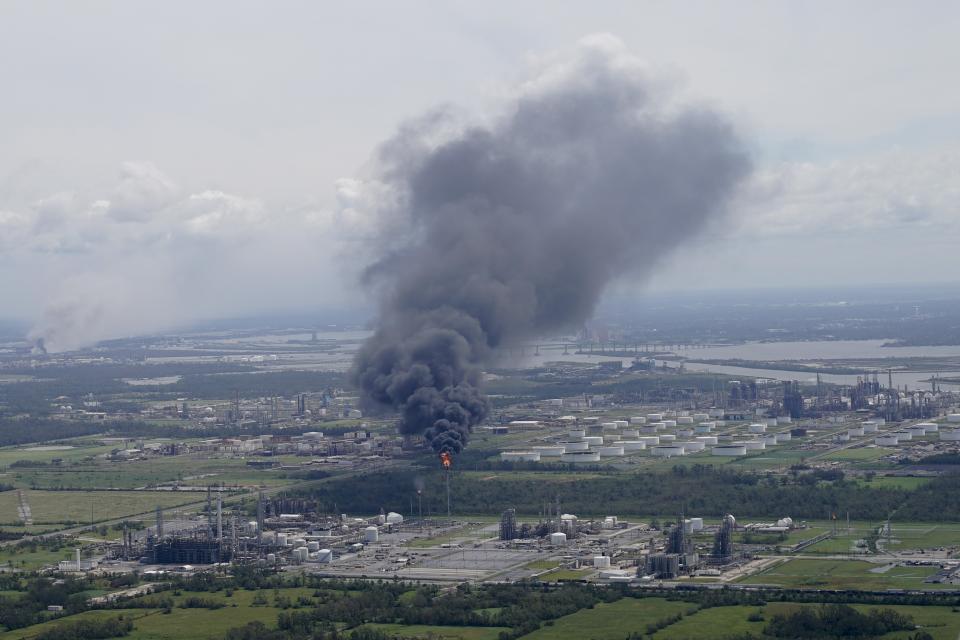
{"points": [[570, 447], [621, 423], [271, 558], [855, 432], [696, 524], [757, 428], [691, 446], [558, 538], [325, 555], [371, 534], [953, 417], [667, 437], [656, 417], [594, 441], [608, 426], [601, 562], [667, 451], [669, 423], [928, 427], [729, 450], [888, 440], [630, 433], [580, 457], [784, 437], [549, 451], [394, 518], [950, 435], [649, 429], [282, 540], [638, 420], [707, 440], [903, 436], [633, 445], [520, 456], [576, 434], [649, 440], [610, 451], [753, 445], [299, 542], [771, 422], [313, 546]]}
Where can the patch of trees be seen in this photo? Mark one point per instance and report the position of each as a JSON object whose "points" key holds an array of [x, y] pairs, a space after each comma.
{"points": [[837, 621], [90, 629], [937, 458]]}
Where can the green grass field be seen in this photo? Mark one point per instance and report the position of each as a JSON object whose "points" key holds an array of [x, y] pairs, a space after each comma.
{"points": [[842, 574], [439, 632], [610, 621], [81, 506]]}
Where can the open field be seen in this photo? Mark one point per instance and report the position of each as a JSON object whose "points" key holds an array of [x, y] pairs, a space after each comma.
{"points": [[89, 506], [843, 574], [440, 632], [612, 621]]}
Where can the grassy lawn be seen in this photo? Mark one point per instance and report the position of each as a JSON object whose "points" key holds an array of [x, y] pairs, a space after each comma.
{"points": [[439, 632], [857, 454], [612, 621], [921, 535], [907, 483], [843, 574], [79, 506], [565, 574], [711, 623]]}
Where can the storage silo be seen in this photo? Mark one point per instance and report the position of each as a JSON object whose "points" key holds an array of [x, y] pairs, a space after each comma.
{"points": [[558, 539], [610, 451], [888, 440], [729, 450], [633, 445], [638, 420], [371, 534], [667, 451], [601, 562], [708, 440], [325, 555]]}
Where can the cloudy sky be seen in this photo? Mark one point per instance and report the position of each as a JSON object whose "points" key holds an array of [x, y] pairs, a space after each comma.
{"points": [[162, 162]]}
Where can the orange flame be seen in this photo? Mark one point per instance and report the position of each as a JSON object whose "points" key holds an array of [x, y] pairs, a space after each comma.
{"points": [[446, 460]]}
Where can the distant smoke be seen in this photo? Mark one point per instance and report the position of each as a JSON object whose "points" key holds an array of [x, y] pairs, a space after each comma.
{"points": [[504, 230]]}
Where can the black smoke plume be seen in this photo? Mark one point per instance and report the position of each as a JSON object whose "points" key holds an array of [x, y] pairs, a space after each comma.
{"points": [[499, 231]]}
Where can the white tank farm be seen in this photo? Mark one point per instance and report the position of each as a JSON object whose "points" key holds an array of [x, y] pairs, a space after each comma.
{"points": [[869, 426], [578, 457], [654, 417], [928, 427], [630, 433], [708, 440], [520, 456], [953, 417], [669, 423], [601, 562], [704, 427], [633, 445], [610, 451], [684, 420], [889, 440], [638, 420], [558, 538], [667, 450], [572, 447], [692, 446], [757, 428], [950, 435], [576, 434], [649, 440], [784, 437], [667, 438], [855, 432], [371, 534], [549, 451], [621, 423], [325, 555], [729, 450], [608, 426], [754, 445]]}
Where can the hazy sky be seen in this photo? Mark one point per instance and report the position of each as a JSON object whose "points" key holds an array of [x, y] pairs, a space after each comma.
{"points": [[164, 161]]}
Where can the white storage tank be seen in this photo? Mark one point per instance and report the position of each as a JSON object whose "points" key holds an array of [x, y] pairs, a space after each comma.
{"points": [[684, 420], [669, 423], [300, 554], [667, 451], [784, 437], [784, 420], [313, 546], [667, 437], [558, 538], [630, 433], [520, 456], [371, 534], [729, 450], [696, 524], [953, 417], [271, 558], [685, 433], [601, 562], [573, 447], [325, 555], [869, 426], [757, 428], [656, 417], [576, 434], [855, 432], [610, 451], [928, 427], [633, 445], [770, 439], [593, 441], [638, 420], [888, 440], [650, 440], [708, 440], [394, 518], [608, 426], [704, 427], [299, 542], [649, 429], [903, 436], [771, 422], [700, 417], [950, 435], [841, 437], [282, 540], [549, 451], [754, 445], [621, 423], [578, 457], [692, 446]]}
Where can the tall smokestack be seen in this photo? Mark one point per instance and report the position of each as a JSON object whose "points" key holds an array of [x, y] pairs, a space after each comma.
{"points": [[511, 227]]}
